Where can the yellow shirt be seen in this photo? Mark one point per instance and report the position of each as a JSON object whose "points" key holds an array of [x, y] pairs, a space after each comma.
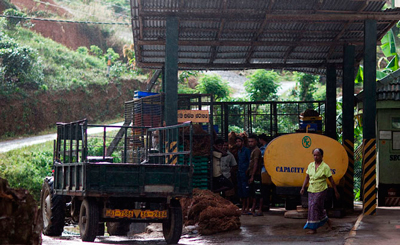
{"points": [[318, 178]]}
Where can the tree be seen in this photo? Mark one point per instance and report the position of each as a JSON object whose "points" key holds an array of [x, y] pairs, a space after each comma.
{"points": [[390, 58], [306, 85], [213, 84], [262, 85]]}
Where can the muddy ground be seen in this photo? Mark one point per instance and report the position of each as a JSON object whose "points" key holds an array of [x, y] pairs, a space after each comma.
{"points": [[272, 228]]}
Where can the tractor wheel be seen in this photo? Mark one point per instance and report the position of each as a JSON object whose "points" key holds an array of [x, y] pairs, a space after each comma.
{"points": [[118, 228], [53, 210], [172, 227], [88, 220]]}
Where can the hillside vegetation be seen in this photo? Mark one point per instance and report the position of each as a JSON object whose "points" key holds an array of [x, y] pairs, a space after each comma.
{"points": [[33, 62], [42, 81]]}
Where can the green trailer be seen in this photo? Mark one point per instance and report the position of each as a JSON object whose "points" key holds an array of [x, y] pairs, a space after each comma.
{"points": [[100, 180]]}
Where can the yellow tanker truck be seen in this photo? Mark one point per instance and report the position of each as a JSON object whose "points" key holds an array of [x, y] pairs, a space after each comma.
{"points": [[286, 159]]}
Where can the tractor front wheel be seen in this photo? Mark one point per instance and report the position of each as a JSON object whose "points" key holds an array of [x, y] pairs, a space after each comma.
{"points": [[53, 209]]}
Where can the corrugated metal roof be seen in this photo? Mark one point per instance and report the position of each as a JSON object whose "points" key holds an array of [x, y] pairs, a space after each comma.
{"points": [[303, 35]]}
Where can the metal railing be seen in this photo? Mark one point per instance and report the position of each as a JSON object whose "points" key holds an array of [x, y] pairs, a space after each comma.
{"points": [[170, 144]]}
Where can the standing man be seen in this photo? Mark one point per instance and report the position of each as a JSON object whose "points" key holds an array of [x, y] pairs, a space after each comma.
{"points": [[254, 174], [220, 182], [229, 166], [243, 165], [263, 141], [227, 162]]}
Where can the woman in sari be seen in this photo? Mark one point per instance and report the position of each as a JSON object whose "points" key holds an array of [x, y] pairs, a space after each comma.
{"points": [[317, 173]]}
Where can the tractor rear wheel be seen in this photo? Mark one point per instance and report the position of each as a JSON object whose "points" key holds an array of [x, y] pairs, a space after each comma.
{"points": [[88, 220], [172, 227]]}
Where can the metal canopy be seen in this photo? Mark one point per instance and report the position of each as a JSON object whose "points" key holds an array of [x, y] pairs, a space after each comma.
{"points": [[304, 35]]}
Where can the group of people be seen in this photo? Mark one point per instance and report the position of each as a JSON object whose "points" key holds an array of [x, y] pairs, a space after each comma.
{"points": [[248, 165]]}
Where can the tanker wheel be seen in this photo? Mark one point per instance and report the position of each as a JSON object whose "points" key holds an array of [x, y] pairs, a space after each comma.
{"points": [[118, 228], [290, 204], [53, 210], [172, 227], [88, 220]]}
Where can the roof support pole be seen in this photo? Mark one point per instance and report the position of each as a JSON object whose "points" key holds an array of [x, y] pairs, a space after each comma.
{"points": [[348, 122], [171, 87], [330, 111], [171, 72], [369, 114]]}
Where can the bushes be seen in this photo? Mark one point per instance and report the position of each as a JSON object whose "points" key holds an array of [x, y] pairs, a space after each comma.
{"points": [[20, 65]]}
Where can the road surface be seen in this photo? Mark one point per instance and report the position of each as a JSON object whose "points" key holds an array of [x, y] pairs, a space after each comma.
{"points": [[9, 145], [272, 228]]}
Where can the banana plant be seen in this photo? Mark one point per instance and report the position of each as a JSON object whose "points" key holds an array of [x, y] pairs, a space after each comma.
{"points": [[391, 58]]}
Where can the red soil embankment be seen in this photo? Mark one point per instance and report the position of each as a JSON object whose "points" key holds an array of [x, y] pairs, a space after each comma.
{"points": [[34, 111]]}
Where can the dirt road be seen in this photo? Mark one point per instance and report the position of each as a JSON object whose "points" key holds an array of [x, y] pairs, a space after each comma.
{"points": [[9, 145]]}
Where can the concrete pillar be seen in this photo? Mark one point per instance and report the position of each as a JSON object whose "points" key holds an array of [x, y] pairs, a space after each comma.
{"points": [[369, 115], [171, 72]]}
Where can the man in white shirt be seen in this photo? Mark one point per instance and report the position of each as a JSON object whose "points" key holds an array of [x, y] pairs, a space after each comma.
{"points": [[220, 182], [227, 162]]}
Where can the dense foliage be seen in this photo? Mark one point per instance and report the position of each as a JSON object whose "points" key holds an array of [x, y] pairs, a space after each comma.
{"points": [[213, 84], [20, 65], [262, 85]]}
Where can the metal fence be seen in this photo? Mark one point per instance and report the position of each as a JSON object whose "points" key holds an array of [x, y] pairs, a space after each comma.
{"points": [[272, 118]]}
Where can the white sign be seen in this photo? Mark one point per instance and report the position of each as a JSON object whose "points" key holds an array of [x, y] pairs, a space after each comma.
{"points": [[396, 3], [396, 140], [385, 135]]}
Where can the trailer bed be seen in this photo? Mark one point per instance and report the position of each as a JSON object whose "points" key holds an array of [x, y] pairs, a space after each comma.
{"points": [[105, 179]]}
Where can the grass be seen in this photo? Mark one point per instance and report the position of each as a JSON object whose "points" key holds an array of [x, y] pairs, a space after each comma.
{"points": [[26, 167]]}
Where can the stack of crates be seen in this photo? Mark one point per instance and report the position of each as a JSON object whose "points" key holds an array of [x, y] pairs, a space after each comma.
{"points": [[313, 123], [201, 175], [147, 109]]}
